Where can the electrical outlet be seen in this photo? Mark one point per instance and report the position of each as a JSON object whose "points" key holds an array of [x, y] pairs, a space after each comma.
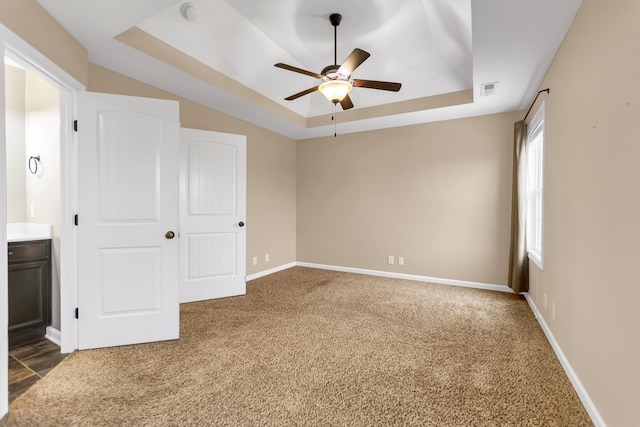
{"points": [[266, 258], [553, 310], [545, 300], [390, 259], [400, 260], [255, 260]]}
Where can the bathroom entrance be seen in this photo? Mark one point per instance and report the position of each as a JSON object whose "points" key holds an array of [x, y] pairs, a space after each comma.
{"points": [[33, 174], [37, 192]]}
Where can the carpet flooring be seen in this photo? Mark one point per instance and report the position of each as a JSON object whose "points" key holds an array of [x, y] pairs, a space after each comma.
{"points": [[308, 347]]}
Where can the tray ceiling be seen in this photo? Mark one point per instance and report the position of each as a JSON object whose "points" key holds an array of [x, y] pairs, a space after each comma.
{"points": [[442, 51]]}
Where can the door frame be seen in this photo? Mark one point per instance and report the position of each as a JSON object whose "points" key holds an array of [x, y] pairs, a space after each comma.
{"points": [[13, 46]]}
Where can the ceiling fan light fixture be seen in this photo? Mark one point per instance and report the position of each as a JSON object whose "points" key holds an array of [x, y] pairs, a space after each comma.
{"points": [[335, 90]]}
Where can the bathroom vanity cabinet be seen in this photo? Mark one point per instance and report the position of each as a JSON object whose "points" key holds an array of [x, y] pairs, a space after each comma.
{"points": [[29, 290]]}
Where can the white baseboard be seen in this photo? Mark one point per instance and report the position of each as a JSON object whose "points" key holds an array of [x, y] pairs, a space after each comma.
{"points": [[573, 377], [53, 335], [461, 283], [270, 271]]}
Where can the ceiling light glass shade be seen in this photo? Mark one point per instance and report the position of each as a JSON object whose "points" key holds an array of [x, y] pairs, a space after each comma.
{"points": [[335, 90]]}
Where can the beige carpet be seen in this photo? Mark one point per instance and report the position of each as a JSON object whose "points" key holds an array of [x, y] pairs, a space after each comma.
{"points": [[315, 348]]}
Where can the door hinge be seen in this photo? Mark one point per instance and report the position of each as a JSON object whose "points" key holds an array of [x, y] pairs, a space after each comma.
{"points": [[75, 219], [76, 312], [75, 125]]}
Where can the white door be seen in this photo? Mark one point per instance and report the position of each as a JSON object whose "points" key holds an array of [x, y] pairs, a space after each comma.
{"points": [[212, 215], [128, 207]]}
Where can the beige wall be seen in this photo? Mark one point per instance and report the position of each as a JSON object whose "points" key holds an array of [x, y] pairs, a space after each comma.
{"points": [[592, 211], [271, 170], [437, 194]]}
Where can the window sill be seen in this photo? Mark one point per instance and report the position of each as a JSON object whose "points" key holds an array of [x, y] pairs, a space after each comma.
{"points": [[537, 259]]}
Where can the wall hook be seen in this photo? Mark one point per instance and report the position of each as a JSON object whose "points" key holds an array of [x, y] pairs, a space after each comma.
{"points": [[33, 164]]}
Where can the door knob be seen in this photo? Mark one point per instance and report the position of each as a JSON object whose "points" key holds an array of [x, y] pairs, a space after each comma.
{"points": [[241, 224], [170, 235]]}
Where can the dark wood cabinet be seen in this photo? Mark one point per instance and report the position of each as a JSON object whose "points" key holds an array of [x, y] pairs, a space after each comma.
{"points": [[29, 290]]}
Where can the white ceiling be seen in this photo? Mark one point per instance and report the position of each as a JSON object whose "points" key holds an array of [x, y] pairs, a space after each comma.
{"points": [[428, 57], [433, 47]]}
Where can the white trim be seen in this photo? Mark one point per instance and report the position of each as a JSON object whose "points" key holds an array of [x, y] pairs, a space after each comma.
{"points": [[69, 232], [573, 377], [270, 271], [534, 257], [449, 282], [537, 127], [4, 262], [53, 335], [24, 54]]}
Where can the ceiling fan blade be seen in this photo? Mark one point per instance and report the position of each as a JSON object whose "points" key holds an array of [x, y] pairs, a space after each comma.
{"points": [[299, 94], [298, 70], [346, 103], [374, 84], [353, 61]]}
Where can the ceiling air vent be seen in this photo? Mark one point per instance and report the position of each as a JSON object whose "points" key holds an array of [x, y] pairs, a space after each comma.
{"points": [[489, 89]]}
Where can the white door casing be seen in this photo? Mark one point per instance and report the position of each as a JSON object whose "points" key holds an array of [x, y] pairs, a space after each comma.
{"points": [[127, 202], [25, 54], [212, 215]]}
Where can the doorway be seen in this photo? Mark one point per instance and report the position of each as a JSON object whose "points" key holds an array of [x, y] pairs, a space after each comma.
{"points": [[32, 126], [21, 53]]}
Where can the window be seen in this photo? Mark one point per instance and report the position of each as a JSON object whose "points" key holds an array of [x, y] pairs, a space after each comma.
{"points": [[535, 187]]}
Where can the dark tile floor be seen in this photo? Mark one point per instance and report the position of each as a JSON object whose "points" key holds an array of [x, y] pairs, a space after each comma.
{"points": [[30, 362]]}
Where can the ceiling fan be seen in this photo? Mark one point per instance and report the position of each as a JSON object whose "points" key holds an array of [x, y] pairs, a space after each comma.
{"points": [[336, 79]]}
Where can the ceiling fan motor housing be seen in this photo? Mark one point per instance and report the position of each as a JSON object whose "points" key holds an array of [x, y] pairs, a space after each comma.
{"points": [[330, 72]]}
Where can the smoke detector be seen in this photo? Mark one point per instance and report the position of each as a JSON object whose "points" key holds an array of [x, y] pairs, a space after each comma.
{"points": [[189, 11], [487, 89]]}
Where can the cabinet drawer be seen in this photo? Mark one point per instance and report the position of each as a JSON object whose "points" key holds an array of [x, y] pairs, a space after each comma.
{"points": [[24, 251]]}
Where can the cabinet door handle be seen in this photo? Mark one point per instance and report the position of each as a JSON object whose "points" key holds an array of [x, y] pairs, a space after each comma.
{"points": [[10, 253]]}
